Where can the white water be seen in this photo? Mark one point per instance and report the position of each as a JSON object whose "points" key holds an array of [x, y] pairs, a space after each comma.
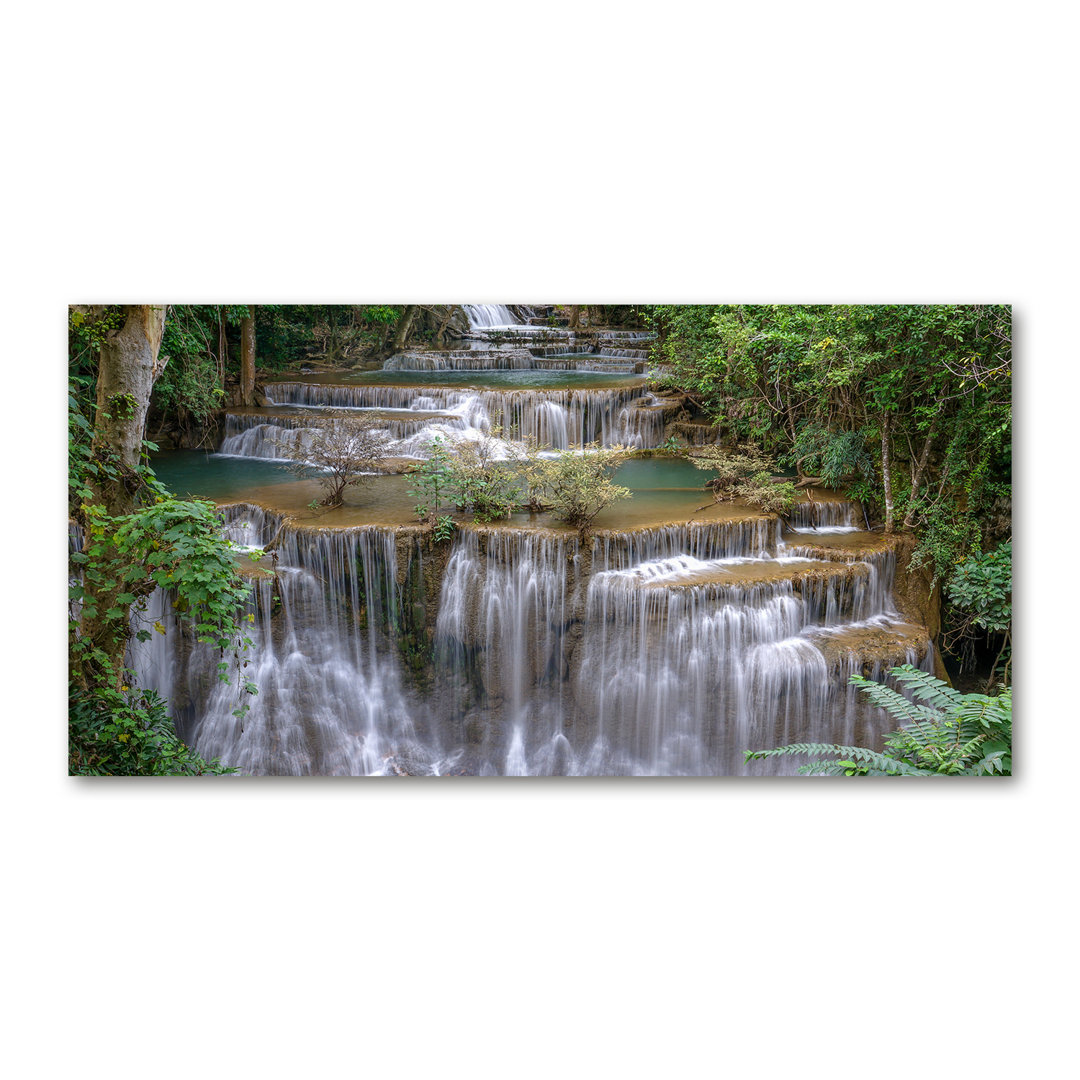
{"points": [[556, 418], [668, 650], [659, 651], [490, 316]]}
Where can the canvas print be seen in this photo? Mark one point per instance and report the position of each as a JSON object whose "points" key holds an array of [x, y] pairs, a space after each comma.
{"points": [[540, 540]]}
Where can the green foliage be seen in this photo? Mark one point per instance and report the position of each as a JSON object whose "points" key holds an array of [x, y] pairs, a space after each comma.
{"points": [[814, 385], [128, 733], [745, 474], [87, 330], [162, 542], [290, 334], [166, 542], [432, 479], [480, 484], [576, 484], [981, 586], [944, 733], [769, 496], [172, 544], [191, 384], [443, 529], [834, 456]]}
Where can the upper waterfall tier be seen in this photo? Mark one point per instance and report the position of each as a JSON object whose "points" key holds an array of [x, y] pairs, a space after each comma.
{"points": [[484, 316], [559, 418]]}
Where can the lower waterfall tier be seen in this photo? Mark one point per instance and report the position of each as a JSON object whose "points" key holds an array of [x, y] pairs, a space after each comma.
{"points": [[657, 651]]}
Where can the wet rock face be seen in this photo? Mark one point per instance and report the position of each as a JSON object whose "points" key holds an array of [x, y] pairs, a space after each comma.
{"points": [[916, 597], [869, 649]]}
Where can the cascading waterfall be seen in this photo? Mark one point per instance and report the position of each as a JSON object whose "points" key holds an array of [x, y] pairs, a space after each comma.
{"points": [[668, 649], [834, 515], [615, 337], [495, 359], [504, 607], [272, 438], [484, 316], [330, 695], [558, 418], [663, 650], [625, 354]]}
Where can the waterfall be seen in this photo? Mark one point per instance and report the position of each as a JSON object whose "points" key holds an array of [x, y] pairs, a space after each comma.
{"points": [[495, 359], [273, 438], [666, 649], [625, 354], [687, 661], [330, 699], [673, 652], [559, 418], [663, 650], [831, 515], [485, 316], [499, 638]]}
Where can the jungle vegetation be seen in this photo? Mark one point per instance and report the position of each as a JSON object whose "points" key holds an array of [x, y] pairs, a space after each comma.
{"points": [[907, 407]]}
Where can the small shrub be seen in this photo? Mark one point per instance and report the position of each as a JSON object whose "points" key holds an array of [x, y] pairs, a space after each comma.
{"points": [[745, 473], [480, 484], [432, 479], [114, 733], [576, 485], [341, 453]]}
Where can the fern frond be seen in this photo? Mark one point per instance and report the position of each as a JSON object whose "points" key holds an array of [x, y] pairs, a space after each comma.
{"points": [[893, 702], [923, 686], [877, 763]]}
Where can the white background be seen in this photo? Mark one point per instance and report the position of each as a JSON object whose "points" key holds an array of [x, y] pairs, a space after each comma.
{"points": [[555, 153]]}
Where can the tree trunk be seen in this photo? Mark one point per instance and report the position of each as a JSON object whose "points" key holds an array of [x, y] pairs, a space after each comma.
{"points": [[575, 316], [886, 474], [920, 468], [247, 358], [401, 334], [222, 348], [127, 368]]}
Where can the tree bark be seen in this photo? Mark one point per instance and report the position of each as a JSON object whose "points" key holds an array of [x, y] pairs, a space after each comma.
{"points": [[575, 316], [920, 468], [247, 358], [401, 334], [886, 473], [127, 369], [223, 348]]}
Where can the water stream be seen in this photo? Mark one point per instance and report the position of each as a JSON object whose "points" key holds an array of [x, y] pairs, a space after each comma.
{"points": [[668, 644]]}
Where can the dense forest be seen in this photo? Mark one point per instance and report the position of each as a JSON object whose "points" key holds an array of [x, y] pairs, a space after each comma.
{"points": [[903, 409]]}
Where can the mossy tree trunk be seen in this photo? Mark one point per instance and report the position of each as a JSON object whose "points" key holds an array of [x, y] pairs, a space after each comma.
{"points": [[247, 358], [886, 469], [128, 366]]}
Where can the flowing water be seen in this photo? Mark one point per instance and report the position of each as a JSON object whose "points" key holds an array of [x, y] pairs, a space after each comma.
{"points": [[486, 316], [666, 650], [673, 640], [571, 414]]}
